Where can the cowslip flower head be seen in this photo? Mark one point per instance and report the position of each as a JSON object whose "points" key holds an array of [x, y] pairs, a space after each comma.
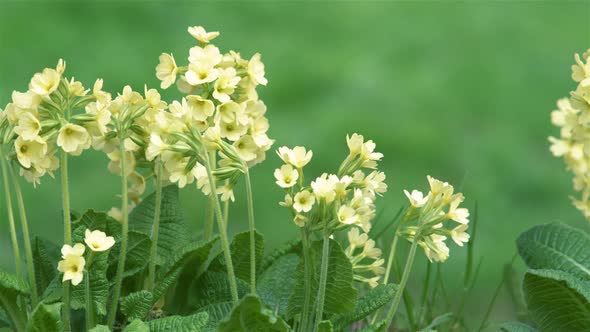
{"points": [[256, 70], [28, 126], [200, 34], [72, 263], [46, 82], [416, 197], [73, 139], [298, 157], [98, 241], [286, 176], [28, 152], [323, 188], [303, 201]]}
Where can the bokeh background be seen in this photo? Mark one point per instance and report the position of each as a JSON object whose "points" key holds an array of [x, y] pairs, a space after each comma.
{"points": [[461, 91]]}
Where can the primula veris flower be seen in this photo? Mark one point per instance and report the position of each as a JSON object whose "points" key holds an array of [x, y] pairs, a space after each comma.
{"points": [[225, 84], [256, 70], [298, 156], [166, 70], [286, 176], [356, 239], [199, 33], [72, 263], [347, 215], [303, 201], [28, 126], [98, 241], [459, 234], [28, 152], [200, 108], [46, 82], [73, 139], [417, 198], [323, 188]]}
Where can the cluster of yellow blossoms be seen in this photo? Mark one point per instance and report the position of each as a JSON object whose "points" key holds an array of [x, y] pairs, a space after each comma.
{"points": [[332, 201], [73, 262], [573, 119], [368, 252], [221, 112], [44, 120], [427, 215]]}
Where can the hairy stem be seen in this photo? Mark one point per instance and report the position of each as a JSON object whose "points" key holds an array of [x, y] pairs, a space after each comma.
{"points": [[307, 270], [155, 227], [252, 233], [27, 238], [123, 250], [208, 230], [65, 199], [403, 281], [323, 280], [223, 235], [390, 259], [89, 305], [13, 237]]}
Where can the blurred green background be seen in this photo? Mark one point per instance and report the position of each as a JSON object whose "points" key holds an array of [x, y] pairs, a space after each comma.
{"points": [[461, 91]]}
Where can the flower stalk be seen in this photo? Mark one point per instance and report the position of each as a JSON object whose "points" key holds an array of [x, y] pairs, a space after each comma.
{"points": [[307, 270], [125, 229], [155, 227], [252, 232], [27, 238], [65, 199], [13, 237], [323, 280]]}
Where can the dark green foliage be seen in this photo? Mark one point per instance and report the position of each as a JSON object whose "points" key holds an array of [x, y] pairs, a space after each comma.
{"points": [[276, 283], [45, 317], [250, 316]]}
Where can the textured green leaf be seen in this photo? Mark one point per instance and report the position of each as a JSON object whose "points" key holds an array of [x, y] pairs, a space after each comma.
{"points": [[45, 317], [138, 255], [99, 286], [517, 327], [376, 327], [137, 305], [292, 247], [368, 304], [45, 256], [213, 288], [250, 316], [217, 311], [240, 253], [174, 233], [276, 283], [556, 247], [340, 293], [137, 326], [100, 328], [557, 300], [10, 288], [194, 254], [192, 323]]}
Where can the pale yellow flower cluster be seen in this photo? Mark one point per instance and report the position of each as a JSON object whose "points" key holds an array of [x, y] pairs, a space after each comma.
{"points": [[573, 119], [73, 262], [335, 201], [43, 120], [221, 111], [427, 216], [367, 261]]}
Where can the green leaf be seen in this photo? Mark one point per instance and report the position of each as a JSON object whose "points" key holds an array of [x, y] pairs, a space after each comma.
{"points": [[99, 286], [292, 247], [325, 326], [45, 255], [217, 311], [212, 288], [174, 233], [10, 288], [376, 327], [137, 305], [45, 317], [240, 253], [250, 316], [194, 254], [192, 323], [557, 300], [340, 293], [368, 304], [137, 326], [138, 255], [556, 247], [100, 328], [517, 327], [276, 283]]}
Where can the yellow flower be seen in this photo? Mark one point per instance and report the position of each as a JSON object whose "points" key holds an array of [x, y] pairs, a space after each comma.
{"points": [[300, 220], [459, 234], [246, 148], [201, 35], [31, 151], [226, 84], [256, 70], [28, 126], [98, 241], [46, 82], [323, 188], [417, 198], [286, 176], [200, 107], [73, 139], [303, 201], [347, 215], [355, 144], [298, 156], [155, 148], [72, 263], [166, 70]]}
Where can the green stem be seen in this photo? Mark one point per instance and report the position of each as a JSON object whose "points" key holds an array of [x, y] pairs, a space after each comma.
{"points": [[208, 230], [155, 228], [390, 259], [89, 305], [27, 238], [323, 280], [403, 281], [18, 317], [307, 270], [123, 250], [13, 237], [252, 233], [65, 198], [223, 235]]}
